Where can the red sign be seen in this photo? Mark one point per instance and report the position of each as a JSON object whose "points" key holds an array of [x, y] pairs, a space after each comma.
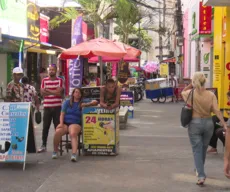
{"points": [[205, 19], [44, 28]]}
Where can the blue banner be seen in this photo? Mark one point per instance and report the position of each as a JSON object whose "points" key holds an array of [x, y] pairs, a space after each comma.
{"points": [[127, 101], [14, 123], [76, 65]]}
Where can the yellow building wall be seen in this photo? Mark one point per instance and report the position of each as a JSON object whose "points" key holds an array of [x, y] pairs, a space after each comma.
{"points": [[218, 60], [226, 40], [221, 64]]}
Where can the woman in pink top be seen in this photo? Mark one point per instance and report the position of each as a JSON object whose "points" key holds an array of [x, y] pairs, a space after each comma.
{"points": [[201, 127]]}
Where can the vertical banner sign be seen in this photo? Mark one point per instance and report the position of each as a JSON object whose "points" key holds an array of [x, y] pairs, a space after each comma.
{"points": [[127, 101], [33, 21], [205, 19], [44, 28], [101, 131], [14, 120], [76, 65]]}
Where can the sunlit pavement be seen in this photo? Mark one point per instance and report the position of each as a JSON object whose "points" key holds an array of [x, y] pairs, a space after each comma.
{"points": [[155, 156]]}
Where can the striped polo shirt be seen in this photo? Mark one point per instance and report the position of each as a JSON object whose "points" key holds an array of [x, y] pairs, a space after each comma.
{"points": [[52, 100]]}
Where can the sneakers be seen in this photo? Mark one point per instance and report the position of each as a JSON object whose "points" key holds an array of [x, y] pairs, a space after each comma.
{"points": [[54, 155], [42, 149], [212, 151], [74, 157]]}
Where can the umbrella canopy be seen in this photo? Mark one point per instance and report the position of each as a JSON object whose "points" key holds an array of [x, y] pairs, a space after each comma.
{"points": [[151, 67], [95, 47], [131, 51], [112, 59]]}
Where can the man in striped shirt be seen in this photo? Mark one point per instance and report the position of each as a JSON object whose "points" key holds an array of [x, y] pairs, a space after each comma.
{"points": [[52, 90]]}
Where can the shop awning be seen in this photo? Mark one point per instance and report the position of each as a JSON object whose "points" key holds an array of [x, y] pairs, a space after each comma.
{"points": [[45, 51], [38, 47], [170, 60]]}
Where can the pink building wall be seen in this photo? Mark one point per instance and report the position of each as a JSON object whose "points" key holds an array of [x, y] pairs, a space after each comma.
{"points": [[186, 44]]}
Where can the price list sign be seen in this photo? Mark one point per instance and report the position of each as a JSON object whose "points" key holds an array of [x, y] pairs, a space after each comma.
{"points": [[99, 131], [14, 120]]}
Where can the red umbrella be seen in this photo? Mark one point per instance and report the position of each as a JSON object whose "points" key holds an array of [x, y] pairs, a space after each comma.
{"points": [[111, 59], [95, 47]]}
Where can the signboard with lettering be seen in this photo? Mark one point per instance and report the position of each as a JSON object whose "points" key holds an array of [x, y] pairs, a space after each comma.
{"points": [[205, 19], [100, 131], [44, 28], [33, 21], [14, 120], [91, 93], [76, 65], [127, 101], [201, 19], [75, 73]]}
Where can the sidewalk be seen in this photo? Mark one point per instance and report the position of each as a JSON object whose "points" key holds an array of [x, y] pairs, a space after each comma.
{"points": [[155, 156]]}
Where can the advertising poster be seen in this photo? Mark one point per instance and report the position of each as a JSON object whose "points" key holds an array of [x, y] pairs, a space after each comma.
{"points": [[100, 131], [127, 101], [33, 21], [76, 65], [14, 120], [44, 28]]}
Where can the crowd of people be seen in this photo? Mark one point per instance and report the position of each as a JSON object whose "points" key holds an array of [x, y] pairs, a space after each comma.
{"points": [[66, 116], [203, 130]]}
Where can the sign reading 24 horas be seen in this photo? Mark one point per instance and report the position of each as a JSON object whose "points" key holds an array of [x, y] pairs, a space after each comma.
{"points": [[33, 21]]}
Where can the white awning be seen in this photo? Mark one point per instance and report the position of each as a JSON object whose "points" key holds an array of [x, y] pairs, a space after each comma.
{"points": [[221, 3]]}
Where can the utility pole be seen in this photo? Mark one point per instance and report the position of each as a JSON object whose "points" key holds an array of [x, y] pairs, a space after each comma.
{"points": [[139, 41], [161, 26]]}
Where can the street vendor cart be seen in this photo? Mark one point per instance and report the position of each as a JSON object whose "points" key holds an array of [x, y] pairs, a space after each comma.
{"points": [[158, 90]]}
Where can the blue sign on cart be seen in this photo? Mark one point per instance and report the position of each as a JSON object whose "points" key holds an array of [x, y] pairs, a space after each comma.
{"points": [[127, 101], [14, 123]]}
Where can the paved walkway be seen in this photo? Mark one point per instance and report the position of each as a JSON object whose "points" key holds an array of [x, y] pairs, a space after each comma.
{"points": [[155, 156]]}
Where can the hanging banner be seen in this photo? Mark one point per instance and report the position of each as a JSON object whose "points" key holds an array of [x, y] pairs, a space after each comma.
{"points": [[76, 65], [14, 119], [205, 19], [44, 28], [75, 74]]}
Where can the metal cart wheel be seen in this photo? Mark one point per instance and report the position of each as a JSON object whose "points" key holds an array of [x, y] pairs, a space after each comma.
{"points": [[155, 100], [162, 99]]}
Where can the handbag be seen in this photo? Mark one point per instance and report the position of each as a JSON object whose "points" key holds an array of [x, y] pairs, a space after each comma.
{"points": [[186, 112], [38, 117]]}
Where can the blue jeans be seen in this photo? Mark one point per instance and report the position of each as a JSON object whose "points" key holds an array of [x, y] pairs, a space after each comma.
{"points": [[200, 131]]}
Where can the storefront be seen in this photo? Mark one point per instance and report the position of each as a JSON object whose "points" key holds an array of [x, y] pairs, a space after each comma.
{"points": [[200, 46]]}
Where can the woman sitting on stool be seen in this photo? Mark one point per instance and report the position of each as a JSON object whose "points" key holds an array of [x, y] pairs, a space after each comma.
{"points": [[70, 122]]}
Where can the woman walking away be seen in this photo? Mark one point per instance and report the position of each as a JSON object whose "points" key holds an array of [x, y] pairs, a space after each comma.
{"points": [[201, 127]]}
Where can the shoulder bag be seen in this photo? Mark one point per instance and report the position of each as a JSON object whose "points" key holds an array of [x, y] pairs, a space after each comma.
{"points": [[186, 112]]}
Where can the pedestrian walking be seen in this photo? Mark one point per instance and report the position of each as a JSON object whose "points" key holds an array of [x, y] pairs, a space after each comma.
{"points": [[14, 90], [200, 129], [52, 91]]}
